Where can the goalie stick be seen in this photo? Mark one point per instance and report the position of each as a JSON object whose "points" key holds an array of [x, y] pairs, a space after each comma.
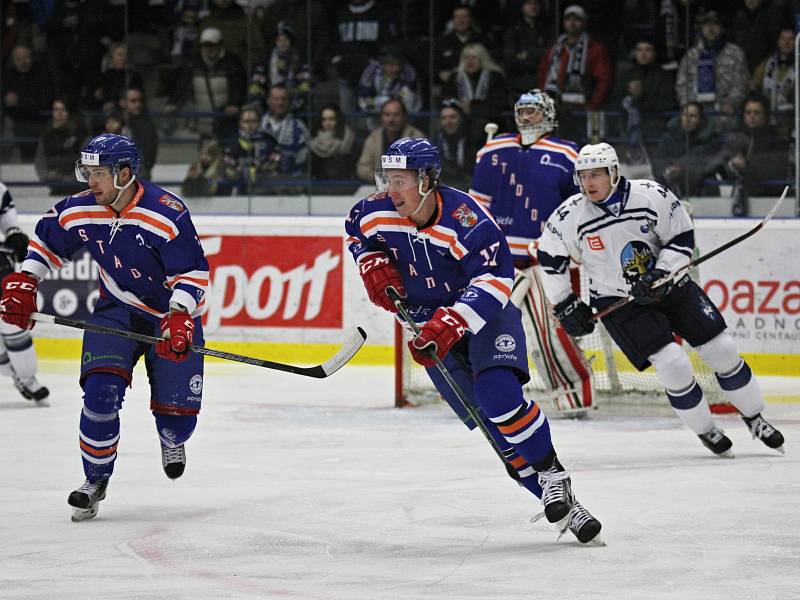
{"points": [[462, 398], [701, 259], [351, 345]]}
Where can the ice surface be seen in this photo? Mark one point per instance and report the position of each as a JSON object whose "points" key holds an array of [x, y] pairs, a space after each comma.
{"points": [[298, 488]]}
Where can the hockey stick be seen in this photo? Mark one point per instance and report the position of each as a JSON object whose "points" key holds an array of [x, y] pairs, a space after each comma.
{"points": [[351, 345], [462, 397], [701, 259]]}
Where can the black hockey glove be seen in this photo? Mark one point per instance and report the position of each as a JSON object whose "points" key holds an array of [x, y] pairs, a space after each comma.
{"points": [[18, 242], [643, 291], [575, 316]]}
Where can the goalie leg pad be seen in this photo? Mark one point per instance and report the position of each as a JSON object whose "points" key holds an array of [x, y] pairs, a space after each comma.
{"points": [[103, 394], [518, 419], [557, 357]]}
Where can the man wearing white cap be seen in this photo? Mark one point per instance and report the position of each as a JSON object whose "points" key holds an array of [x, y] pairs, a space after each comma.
{"points": [[576, 70], [214, 83]]}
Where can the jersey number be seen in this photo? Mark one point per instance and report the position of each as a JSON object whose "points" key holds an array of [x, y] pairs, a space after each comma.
{"points": [[490, 255]]}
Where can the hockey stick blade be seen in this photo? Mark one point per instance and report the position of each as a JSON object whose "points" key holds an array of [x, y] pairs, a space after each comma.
{"points": [[699, 260], [351, 346]]}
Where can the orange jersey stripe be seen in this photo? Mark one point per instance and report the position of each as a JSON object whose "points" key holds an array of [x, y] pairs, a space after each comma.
{"points": [[154, 222], [52, 257], [495, 283], [518, 462], [566, 149], [385, 221], [195, 280], [521, 424]]}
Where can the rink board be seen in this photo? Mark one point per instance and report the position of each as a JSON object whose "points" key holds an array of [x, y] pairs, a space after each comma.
{"points": [[286, 288]]}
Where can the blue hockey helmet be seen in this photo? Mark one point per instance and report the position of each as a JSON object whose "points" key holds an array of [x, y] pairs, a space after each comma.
{"points": [[418, 154], [108, 150]]}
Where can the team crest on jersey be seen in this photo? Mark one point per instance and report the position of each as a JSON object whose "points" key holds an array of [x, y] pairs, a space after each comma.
{"points": [[465, 215], [172, 202], [505, 343], [636, 259]]}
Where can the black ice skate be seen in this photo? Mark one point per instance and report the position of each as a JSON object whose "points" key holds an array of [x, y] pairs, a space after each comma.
{"points": [[556, 492], [762, 430], [32, 390], [716, 441], [173, 460], [86, 498], [582, 524]]}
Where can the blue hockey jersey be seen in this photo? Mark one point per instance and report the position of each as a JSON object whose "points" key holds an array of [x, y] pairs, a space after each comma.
{"points": [[460, 260], [148, 256], [523, 186]]}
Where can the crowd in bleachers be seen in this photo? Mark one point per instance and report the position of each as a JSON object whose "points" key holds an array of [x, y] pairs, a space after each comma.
{"points": [[274, 93]]}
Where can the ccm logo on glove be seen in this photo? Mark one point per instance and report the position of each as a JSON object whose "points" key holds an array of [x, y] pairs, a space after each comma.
{"points": [[379, 273]]}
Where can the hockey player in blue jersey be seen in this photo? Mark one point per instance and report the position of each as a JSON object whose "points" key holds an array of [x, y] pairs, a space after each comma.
{"points": [[17, 354], [522, 178], [445, 254], [629, 235], [153, 278]]}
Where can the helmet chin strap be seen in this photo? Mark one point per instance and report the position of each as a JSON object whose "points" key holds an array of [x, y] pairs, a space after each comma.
{"points": [[121, 189], [424, 197]]}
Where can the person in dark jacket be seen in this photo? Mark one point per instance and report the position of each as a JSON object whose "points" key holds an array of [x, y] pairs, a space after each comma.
{"points": [[140, 128], [525, 45], [680, 160], [27, 96], [58, 146], [456, 145]]}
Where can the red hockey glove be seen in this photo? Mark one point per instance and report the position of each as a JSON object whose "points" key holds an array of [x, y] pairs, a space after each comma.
{"points": [[19, 300], [178, 330], [439, 334], [378, 273]]}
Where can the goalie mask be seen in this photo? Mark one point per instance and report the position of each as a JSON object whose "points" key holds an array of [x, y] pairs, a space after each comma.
{"points": [[540, 103], [597, 156]]}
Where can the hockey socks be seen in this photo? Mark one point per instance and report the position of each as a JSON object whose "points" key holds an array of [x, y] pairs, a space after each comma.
{"points": [[519, 420], [103, 394]]}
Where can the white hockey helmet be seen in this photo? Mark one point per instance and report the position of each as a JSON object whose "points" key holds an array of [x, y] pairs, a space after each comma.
{"points": [[537, 100], [597, 156]]}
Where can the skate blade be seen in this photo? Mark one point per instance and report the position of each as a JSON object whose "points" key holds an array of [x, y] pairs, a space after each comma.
{"points": [[727, 454], [780, 449], [44, 402], [84, 514]]}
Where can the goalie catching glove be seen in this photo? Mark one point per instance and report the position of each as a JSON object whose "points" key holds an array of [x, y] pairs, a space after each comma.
{"points": [[379, 273], [643, 291], [438, 335], [575, 316], [19, 300], [177, 329]]}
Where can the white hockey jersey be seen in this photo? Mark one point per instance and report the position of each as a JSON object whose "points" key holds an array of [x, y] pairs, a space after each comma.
{"points": [[641, 227]]}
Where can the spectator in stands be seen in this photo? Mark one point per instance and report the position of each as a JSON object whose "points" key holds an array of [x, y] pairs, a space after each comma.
{"points": [[774, 79], [525, 45], [674, 24], [140, 128], [651, 89], [480, 86], [363, 27], [755, 156], [447, 54], [576, 71], [250, 160], [389, 77], [680, 161], [242, 35], [282, 67], [456, 146], [713, 73], [215, 81], [58, 146], [27, 98], [331, 145], [114, 122], [184, 37], [204, 173], [755, 26], [394, 125], [289, 132], [309, 20], [114, 78]]}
